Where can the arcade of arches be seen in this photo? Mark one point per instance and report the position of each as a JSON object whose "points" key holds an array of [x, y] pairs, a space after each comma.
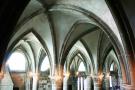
{"points": [[67, 45]]}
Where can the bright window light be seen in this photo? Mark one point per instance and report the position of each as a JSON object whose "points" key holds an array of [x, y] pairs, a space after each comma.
{"points": [[45, 64], [17, 62], [81, 67], [112, 67]]}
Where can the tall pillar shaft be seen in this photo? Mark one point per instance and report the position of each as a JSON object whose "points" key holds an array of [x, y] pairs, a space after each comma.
{"points": [[57, 85], [65, 83], [35, 81], [132, 73], [106, 82], [82, 83], [87, 83], [78, 83], [97, 83]]}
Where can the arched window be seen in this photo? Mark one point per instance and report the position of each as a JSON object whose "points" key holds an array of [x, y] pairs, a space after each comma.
{"points": [[111, 70], [114, 80], [82, 67], [17, 62], [112, 67], [45, 64]]}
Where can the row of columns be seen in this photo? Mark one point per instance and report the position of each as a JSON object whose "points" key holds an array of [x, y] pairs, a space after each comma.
{"points": [[83, 83], [79, 83]]}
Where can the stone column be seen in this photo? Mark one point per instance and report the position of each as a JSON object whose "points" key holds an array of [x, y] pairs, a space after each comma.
{"points": [[129, 85], [97, 86], [65, 83], [33, 77], [6, 82], [132, 72], [78, 83], [87, 83], [27, 83], [53, 84], [74, 83], [57, 83], [97, 83], [106, 82], [35, 81], [82, 83]]}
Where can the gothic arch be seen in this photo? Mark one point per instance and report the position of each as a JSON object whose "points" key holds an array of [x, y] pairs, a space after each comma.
{"points": [[99, 24], [17, 43], [85, 60]]}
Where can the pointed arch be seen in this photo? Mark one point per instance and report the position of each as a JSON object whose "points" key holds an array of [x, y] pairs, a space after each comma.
{"points": [[98, 23], [27, 38]]}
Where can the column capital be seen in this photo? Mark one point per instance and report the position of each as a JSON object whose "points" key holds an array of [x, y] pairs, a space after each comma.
{"points": [[98, 78]]}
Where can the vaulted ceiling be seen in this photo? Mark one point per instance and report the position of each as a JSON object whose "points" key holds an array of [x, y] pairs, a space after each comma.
{"points": [[57, 26]]}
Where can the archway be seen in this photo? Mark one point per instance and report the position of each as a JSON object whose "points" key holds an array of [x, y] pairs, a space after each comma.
{"points": [[112, 72], [38, 63], [78, 69], [100, 43], [17, 65], [84, 23], [44, 80]]}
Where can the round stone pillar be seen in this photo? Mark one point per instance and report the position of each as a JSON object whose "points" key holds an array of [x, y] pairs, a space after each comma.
{"points": [[57, 83], [53, 84], [97, 83], [78, 83], [87, 83], [35, 81], [106, 82], [27, 83], [65, 83]]}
